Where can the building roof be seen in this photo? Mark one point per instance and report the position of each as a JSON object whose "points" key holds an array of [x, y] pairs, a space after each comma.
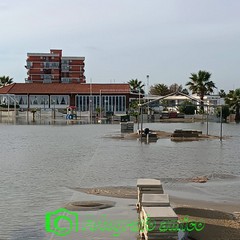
{"points": [[65, 88], [73, 58], [43, 54]]}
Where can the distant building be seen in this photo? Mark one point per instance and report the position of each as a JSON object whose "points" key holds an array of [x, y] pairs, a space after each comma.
{"points": [[54, 68]]}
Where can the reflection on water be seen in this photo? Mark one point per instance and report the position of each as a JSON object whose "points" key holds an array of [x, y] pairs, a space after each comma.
{"points": [[40, 163]]}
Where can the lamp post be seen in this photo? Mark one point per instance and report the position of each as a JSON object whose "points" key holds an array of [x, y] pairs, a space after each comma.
{"points": [[207, 119], [90, 108], [139, 104], [148, 113], [105, 106], [100, 103], [90, 101], [221, 123], [54, 114]]}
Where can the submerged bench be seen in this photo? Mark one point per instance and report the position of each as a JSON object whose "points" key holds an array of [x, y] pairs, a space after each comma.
{"points": [[186, 133]]}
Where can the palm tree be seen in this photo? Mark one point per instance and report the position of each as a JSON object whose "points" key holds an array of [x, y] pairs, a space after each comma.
{"points": [[222, 93], [136, 86], [185, 91], [4, 81], [201, 85], [233, 100], [160, 89]]}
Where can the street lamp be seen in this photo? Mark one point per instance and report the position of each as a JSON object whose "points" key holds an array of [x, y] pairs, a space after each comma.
{"points": [[100, 103], [54, 114], [139, 104], [44, 103], [148, 113], [90, 108]]}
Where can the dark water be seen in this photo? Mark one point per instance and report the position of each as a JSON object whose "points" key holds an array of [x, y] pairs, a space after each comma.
{"points": [[39, 164]]}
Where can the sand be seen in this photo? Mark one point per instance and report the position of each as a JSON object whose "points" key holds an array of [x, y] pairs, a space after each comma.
{"points": [[163, 134], [222, 220]]}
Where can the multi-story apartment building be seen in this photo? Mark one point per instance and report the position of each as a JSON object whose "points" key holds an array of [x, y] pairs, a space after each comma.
{"points": [[54, 68]]}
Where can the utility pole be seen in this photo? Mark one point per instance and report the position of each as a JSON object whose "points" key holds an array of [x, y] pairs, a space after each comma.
{"points": [[221, 123], [90, 101], [100, 103], [148, 112]]}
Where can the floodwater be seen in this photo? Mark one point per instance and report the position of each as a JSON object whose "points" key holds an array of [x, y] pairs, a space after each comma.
{"points": [[40, 164]]}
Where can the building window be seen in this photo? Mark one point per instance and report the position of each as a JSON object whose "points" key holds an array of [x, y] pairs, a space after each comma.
{"points": [[108, 103], [39, 101], [22, 100], [65, 61], [59, 100], [29, 64], [66, 80]]}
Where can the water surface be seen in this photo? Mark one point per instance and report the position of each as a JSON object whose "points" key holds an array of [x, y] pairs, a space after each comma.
{"points": [[41, 163]]}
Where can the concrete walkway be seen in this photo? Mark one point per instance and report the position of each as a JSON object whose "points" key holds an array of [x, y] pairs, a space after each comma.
{"points": [[118, 222]]}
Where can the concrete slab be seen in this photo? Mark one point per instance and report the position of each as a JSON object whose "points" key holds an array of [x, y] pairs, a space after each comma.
{"points": [[159, 213], [148, 182], [141, 192], [155, 200]]}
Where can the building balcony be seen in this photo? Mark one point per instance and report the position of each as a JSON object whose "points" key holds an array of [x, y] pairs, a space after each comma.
{"points": [[47, 80], [66, 80], [29, 65], [28, 80], [51, 65]]}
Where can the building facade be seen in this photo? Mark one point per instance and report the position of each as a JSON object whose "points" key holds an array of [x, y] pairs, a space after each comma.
{"points": [[54, 68], [86, 97]]}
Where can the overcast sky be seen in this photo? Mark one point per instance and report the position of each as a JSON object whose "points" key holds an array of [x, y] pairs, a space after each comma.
{"points": [[125, 39]]}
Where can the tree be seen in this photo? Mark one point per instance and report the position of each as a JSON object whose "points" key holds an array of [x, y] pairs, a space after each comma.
{"points": [[233, 100], [222, 93], [225, 112], [201, 85], [134, 109], [159, 89], [5, 80], [175, 87], [136, 85], [99, 111], [185, 91], [187, 107]]}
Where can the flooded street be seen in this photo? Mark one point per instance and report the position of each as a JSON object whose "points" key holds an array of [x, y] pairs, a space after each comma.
{"points": [[40, 164]]}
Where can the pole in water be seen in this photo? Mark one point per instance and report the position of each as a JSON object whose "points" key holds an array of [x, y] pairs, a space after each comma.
{"points": [[221, 123], [138, 116], [207, 120], [141, 119], [141, 130]]}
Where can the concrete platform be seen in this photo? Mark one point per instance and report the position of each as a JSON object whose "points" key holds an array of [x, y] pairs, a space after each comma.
{"points": [[155, 200], [158, 190], [148, 182], [159, 213]]}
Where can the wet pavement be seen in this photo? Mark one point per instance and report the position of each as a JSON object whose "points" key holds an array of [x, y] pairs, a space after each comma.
{"points": [[118, 222]]}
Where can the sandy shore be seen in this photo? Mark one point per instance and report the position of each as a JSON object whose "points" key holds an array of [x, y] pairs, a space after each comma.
{"points": [[222, 220], [163, 134]]}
